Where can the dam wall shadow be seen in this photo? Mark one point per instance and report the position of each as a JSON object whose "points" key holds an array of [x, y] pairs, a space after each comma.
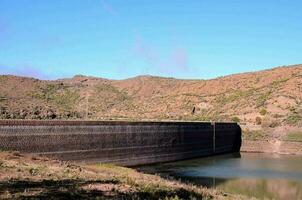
{"points": [[120, 142]]}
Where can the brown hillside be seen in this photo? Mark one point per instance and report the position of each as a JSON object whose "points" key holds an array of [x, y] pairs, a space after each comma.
{"points": [[271, 98]]}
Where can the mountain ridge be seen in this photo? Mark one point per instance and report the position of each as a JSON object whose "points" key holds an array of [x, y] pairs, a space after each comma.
{"points": [[272, 97]]}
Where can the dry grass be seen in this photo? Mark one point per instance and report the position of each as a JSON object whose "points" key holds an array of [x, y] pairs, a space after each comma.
{"points": [[23, 176], [295, 136]]}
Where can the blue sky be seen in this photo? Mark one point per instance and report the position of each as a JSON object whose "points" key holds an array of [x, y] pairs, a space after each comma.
{"points": [[118, 39]]}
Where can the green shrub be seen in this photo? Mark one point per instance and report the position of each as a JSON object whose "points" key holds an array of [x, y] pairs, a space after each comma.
{"points": [[33, 171], [66, 100], [294, 118], [263, 111], [236, 119], [261, 100], [2, 98]]}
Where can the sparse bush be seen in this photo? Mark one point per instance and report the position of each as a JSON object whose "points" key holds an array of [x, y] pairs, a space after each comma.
{"points": [[254, 135], [268, 122], [203, 118], [263, 98], [62, 99], [2, 98], [258, 120], [33, 171], [263, 111], [236, 119], [66, 100], [277, 115], [274, 124], [294, 119]]}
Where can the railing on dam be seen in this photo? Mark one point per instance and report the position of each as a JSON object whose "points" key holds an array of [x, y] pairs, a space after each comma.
{"points": [[122, 142]]}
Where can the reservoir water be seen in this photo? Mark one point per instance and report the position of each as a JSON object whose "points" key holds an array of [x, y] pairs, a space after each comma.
{"points": [[269, 176]]}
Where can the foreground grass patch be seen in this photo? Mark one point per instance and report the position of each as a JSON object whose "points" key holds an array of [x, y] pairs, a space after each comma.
{"points": [[28, 177]]}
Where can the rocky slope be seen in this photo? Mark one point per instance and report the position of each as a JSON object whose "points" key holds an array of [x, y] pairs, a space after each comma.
{"points": [[269, 98]]}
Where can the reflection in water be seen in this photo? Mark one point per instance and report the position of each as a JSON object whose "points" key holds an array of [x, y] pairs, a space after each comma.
{"points": [[258, 175], [260, 188]]}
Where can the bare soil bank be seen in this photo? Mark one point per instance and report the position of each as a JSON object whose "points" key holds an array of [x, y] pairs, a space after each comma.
{"points": [[272, 146]]}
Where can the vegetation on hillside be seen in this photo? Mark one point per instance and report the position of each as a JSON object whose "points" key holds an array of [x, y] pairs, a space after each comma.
{"points": [[269, 98]]}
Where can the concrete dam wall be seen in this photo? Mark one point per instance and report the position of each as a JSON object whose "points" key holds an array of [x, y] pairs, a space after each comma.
{"points": [[121, 142]]}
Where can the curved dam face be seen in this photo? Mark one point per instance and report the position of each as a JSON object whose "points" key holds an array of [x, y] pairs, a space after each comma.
{"points": [[121, 142]]}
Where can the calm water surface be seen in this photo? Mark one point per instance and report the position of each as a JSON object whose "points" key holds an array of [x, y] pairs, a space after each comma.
{"points": [[259, 175]]}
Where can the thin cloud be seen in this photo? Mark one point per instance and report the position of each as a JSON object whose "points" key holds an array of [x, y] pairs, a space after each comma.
{"points": [[145, 51], [176, 62], [108, 8], [179, 59]]}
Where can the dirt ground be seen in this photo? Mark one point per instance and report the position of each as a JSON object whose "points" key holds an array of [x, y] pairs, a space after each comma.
{"points": [[33, 177]]}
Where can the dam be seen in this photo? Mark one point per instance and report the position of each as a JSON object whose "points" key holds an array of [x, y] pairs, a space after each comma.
{"points": [[121, 142]]}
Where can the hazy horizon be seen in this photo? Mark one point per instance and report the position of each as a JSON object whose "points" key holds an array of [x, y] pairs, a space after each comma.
{"points": [[141, 75]]}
